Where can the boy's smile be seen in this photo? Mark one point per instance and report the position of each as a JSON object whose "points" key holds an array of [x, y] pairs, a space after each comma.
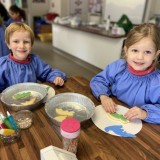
{"points": [[20, 44]]}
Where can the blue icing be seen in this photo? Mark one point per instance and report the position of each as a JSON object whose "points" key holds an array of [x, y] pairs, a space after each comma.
{"points": [[119, 131]]}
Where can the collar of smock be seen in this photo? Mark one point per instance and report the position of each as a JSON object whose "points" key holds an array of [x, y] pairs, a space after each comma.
{"points": [[141, 73], [27, 60]]}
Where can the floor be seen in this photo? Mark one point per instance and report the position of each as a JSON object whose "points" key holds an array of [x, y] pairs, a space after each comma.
{"points": [[63, 61]]}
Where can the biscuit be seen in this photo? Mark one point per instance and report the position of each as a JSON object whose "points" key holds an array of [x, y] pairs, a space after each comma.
{"points": [[60, 118], [118, 117], [62, 112], [21, 95]]}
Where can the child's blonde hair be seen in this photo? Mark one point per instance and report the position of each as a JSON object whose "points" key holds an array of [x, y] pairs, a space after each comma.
{"points": [[18, 26], [143, 31]]}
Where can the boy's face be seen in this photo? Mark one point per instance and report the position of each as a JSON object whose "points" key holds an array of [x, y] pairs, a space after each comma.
{"points": [[20, 44]]}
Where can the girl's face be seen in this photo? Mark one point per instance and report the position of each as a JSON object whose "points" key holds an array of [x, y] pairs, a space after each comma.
{"points": [[20, 44], [14, 15], [141, 55]]}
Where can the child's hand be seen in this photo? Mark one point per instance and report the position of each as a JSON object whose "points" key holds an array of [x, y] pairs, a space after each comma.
{"points": [[136, 112], [58, 81], [108, 104]]}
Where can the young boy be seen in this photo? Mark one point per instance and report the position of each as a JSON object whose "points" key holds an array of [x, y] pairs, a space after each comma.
{"points": [[22, 66]]}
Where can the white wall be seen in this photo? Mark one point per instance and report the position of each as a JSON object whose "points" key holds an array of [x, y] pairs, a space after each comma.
{"points": [[36, 9], [59, 6], [6, 3], [153, 7], [62, 7], [66, 7], [157, 7], [133, 9], [55, 6], [95, 49]]}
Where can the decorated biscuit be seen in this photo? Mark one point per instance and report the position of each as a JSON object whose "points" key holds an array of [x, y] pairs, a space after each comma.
{"points": [[21, 95], [118, 117], [59, 118], [62, 112]]}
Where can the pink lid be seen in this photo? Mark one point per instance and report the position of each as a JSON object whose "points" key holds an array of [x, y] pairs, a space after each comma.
{"points": [[70, 125]]}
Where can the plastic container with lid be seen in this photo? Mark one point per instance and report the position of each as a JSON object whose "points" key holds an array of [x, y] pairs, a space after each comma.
{"points": [[70, 131], [23, 118]]}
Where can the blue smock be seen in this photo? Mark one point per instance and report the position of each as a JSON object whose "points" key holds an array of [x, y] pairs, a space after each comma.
{"points": [[36, 69], [11, 20], [140, 91], [3, 47]]}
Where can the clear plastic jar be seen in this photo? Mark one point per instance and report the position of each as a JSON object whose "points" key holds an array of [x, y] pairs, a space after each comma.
{"points": [[70, 131]]}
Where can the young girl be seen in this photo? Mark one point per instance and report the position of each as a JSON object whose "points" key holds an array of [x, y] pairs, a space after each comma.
{"points": [[16, 14], [133, 80], [22, 66]]}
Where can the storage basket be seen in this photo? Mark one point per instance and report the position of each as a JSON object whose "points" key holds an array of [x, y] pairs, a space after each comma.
{"points": [[44, 37]]}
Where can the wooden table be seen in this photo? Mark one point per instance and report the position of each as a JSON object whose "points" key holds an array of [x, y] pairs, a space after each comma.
{"points": [[94, 144]]}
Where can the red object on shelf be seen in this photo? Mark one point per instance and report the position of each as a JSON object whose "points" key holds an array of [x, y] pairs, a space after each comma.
{"points": [[51, 16]]}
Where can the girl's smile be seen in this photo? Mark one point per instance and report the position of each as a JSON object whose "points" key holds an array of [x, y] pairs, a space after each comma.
{"points": [[138, 63], [141, 55]]}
